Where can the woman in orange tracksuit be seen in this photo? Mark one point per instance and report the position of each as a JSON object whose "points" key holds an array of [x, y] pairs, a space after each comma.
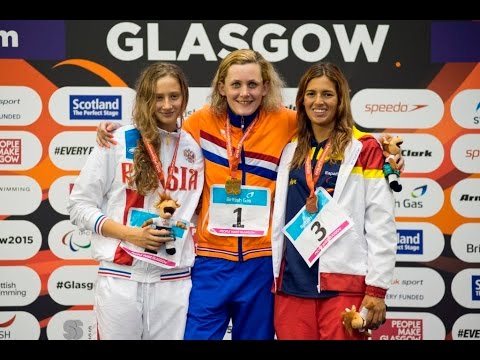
{"points": [[242, 134]]}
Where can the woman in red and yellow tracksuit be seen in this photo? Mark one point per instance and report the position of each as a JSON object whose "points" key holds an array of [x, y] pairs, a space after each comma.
{"points": [[320, 270]]}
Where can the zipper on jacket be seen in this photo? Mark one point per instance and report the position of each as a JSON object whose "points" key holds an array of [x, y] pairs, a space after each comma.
{"points": [[315, 153], [242, 155], [318, 285]]}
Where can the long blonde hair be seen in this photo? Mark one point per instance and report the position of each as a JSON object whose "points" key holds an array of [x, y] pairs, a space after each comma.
{"points": [[143, 174], [270, 102], [342, 132]]}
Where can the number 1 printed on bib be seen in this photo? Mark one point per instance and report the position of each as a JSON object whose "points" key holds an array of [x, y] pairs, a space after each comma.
{"points": [[246, 214]]}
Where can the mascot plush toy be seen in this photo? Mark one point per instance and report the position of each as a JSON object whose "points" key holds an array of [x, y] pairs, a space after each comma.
{"points": [[391, 147], [167, 207], [354, 320]]}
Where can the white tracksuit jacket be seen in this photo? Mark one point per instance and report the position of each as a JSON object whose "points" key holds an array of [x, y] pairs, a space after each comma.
{"points": [[101, 192], [363, 259]]}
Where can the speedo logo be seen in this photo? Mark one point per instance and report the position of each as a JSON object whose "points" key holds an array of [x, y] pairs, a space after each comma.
{"points": [[397, 108]]}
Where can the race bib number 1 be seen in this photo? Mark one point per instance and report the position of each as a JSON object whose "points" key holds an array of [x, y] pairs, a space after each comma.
{"points": [[246, 214]]}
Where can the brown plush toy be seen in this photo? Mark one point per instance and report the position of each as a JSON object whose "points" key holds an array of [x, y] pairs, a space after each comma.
{"points": [[353, 320], [391, 147], [166, 206]]}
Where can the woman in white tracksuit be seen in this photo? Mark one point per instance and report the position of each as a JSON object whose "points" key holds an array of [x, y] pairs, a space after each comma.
{"points": [[141, 291], [333, 231]]}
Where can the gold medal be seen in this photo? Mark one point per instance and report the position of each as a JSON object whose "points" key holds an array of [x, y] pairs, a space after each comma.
{"points": [[312, 204], [233, 186]]}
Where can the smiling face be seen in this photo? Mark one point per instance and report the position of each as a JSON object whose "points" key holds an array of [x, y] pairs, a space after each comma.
{"points": [[321, 103], [168, 102], [243, 88]]}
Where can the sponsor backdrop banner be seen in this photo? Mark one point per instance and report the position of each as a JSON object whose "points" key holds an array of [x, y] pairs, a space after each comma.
{"points": [[416, 79]]}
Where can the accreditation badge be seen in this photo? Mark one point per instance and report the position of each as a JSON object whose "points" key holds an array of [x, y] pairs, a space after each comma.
{"points": [[136, 217], [245, 214], [313, 233]]}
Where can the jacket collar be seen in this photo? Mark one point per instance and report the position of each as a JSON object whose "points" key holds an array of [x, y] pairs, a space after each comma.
{"points": [[236, 120], [164, 133]]}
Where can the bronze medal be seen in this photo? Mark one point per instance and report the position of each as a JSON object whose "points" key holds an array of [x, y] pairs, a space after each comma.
{"points": [[312, 204], [233, 186]]}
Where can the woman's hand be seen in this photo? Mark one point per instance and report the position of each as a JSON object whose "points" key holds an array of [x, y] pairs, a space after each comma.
{"points": [[377, 311], [104, 133], [148, 237], [398, 158]]}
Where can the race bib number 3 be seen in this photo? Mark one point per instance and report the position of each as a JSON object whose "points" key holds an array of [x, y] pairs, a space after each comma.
{"points": [[246, 214], [313, 234]]}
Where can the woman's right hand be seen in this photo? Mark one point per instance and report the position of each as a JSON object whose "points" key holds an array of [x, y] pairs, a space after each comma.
{"points": [[148, 237], [104, 133]]}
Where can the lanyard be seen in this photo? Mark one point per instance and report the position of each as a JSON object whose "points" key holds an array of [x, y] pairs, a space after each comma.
{"points": [[312, 180], [157, 164], [234, 159]]}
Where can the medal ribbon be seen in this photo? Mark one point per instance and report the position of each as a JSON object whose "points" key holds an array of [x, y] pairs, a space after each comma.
{"points": [[312, 180], [157, 164], [234, 159]]}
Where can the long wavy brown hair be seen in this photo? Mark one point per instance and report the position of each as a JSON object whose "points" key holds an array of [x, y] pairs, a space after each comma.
{"points": [[143, 175], [270, 102], [342, 132]]}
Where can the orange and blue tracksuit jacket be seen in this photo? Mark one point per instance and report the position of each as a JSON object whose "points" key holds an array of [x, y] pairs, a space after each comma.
{"points": [[258, 166]]}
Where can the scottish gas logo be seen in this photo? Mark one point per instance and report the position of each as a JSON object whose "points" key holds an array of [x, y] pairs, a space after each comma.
{"points": [[420, 197]]}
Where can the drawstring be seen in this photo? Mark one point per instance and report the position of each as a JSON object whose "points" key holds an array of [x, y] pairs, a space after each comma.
{"points": [[147, 307]]}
